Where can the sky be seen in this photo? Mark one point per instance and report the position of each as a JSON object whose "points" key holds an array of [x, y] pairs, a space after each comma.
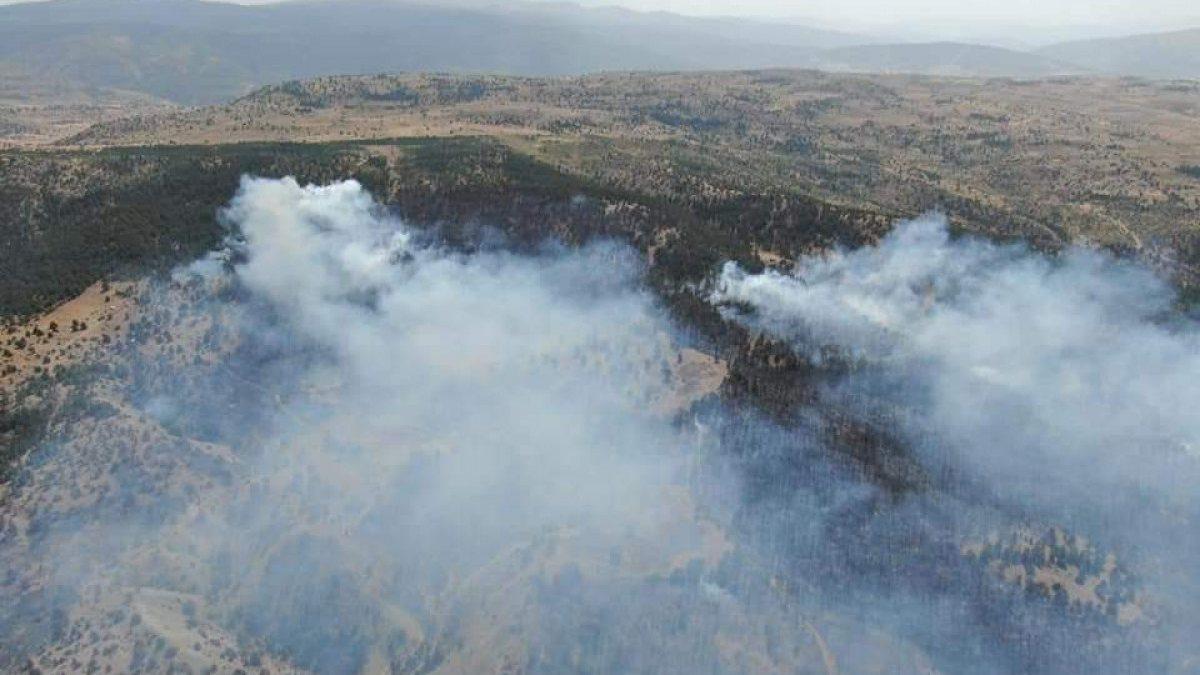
{"points": [[982, 11], [979, 17], [1009, 22]]}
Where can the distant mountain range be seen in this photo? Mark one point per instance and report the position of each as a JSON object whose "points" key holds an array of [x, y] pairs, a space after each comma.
{"points": [[1160, 55], [942, 58], [191, 51]]}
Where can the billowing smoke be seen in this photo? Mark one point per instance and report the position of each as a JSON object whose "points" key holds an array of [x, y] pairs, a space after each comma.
{"points": [[1059, 389], [345, 448], [338, 445], [1047, 375], [459, 430]]}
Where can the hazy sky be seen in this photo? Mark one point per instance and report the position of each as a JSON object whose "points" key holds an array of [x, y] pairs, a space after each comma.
{"points": [[980, 16], [1010, 21]]}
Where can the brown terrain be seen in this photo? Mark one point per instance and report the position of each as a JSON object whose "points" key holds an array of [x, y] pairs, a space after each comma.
{"points": [[35, 111], [161, 619], [674, 163], [1100, 161]]}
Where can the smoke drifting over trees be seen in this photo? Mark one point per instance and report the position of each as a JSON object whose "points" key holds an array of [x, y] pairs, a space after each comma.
{"points": [[377, 452], [1062, 389], [1054, 376]]}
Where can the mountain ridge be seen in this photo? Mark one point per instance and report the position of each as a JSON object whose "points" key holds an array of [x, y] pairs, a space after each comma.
{"points": [[200, 52], [1174, 54], [182, 50]]}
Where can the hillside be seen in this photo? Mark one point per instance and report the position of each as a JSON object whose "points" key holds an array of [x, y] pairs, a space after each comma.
{"points": [[1055, 161], [626, 372], [185, 50], [103, 213], [205, 52], [37, 110], [1159, 55], [151, 399]]}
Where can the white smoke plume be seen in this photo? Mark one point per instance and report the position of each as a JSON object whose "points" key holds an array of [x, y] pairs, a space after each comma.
{"points": [[1065, 370], [387, 456], [530, 373], [354, 449], [469, 407], [1065, 388]]}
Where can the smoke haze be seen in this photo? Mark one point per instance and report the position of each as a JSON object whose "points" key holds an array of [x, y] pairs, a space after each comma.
{"points": [[1062, 389], [1067, 370], [343, 446]]}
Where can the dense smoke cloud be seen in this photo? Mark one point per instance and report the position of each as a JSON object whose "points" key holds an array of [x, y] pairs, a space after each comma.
{"points": [[378, 453], [1047, 374], [472, 404], [1062, 389], [354, 448]]}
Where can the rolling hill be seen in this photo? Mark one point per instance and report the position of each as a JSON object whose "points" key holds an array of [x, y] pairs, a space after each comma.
{"points": [[1100, 160], [1159, 55], [185, 50], [199, 51]]}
